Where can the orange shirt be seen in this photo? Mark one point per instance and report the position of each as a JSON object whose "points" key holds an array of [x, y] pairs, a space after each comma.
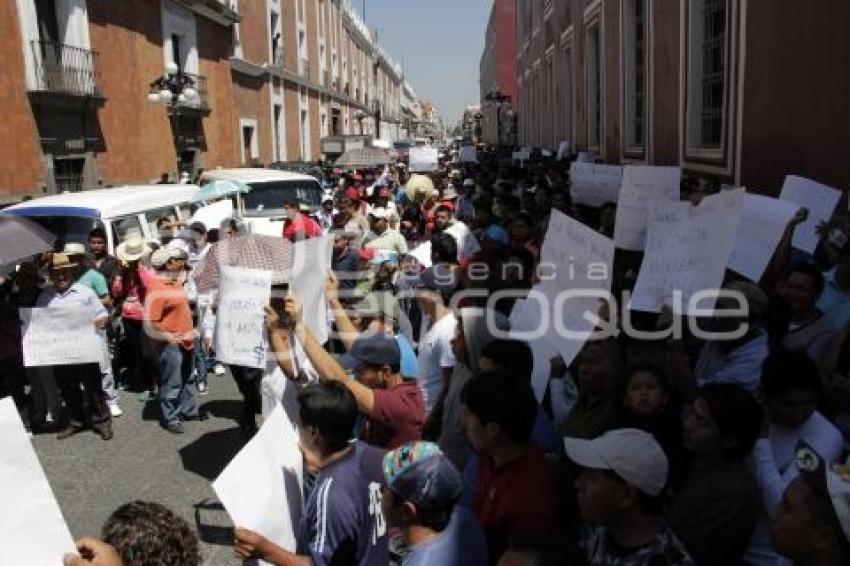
{"points": [[167, 309]]}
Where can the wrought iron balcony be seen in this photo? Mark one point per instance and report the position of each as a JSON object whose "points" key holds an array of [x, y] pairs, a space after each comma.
{"points": [[64, 69], [202, 100]]}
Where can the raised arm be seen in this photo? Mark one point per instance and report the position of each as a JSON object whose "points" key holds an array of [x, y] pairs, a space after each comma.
{"points": [[347, 332], [779, 261]]}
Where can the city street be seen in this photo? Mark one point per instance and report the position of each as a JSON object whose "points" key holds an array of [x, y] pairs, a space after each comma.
{"points": [[91, 478]]}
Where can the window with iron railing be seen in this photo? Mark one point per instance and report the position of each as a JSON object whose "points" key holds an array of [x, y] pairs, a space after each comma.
{"points": [[634, 79], [713, 72], [64, 69], [68, 174]]}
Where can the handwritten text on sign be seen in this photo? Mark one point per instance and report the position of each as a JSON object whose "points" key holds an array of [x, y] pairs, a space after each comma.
{"points": [[642, 185], [595, 184], [687, 249], [582, 262], [59, 336], [240, 338]]}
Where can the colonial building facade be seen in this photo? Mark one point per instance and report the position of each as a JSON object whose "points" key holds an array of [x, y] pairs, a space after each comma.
{"points": [[745, 91], [270, 79]]}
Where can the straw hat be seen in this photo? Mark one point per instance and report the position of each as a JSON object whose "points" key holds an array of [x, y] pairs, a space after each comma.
{"points": [[60, 260], [74, 248], [419, 187], [132, 249]]}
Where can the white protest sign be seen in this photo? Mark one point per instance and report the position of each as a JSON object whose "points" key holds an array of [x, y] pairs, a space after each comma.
{"points": [[468, 154], [58, 336], [687, 249], [212, 215], [595, 184], [240, 328], [310, 266], [642, 184], [422, 253], [261, 487], [32, 530], [563, 150], [576, 268], [586, 157], [821, 201], [527, 317], [423, 159], [522, 155], [763, 222], [467, 244]]}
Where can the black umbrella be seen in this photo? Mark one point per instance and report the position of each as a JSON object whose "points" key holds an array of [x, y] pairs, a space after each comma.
{"points": [[21, 238]]}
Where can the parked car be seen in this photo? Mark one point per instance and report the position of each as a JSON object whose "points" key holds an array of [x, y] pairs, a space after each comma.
{"points": [[119, 211], [262, 208]]}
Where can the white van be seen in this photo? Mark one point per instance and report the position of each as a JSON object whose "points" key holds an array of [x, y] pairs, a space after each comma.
{"points": [[262, 208], [119, 211]]}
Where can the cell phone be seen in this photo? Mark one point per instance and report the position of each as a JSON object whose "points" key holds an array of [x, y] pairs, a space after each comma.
{"points": [[278, 303]]}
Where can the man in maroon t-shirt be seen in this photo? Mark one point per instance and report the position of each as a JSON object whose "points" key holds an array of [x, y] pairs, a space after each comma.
{"points": [[394, 407]]}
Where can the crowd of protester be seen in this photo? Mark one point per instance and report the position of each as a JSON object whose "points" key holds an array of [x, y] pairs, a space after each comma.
{"points": [[638, 452]]}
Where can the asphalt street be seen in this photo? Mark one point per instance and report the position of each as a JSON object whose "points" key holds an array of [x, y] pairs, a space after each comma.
{"points": [[91, 478]]}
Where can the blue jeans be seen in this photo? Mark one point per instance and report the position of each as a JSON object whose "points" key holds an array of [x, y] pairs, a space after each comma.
{"points": [[176, 397], [203, 361]]}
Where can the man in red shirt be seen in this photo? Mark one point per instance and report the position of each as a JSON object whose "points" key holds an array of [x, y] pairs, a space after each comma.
{"points": [[514, 493], [393, 405], [299, 226]]}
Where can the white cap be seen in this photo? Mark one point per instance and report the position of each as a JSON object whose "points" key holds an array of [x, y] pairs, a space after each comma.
{"points": [[380, 212], [632, 454], [74, 248], [161, 256], [179, 244], [468, 183]]}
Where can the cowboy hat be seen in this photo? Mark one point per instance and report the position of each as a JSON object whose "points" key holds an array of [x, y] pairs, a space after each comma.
{"points": [[74, 248], [450, 193], [60, 260], [131, 249]]}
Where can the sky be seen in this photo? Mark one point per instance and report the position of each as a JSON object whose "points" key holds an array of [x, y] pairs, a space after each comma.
{"points": [[440, 43]]}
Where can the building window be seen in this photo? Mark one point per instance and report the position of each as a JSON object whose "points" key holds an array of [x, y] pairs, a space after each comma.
{"points": [[634, 79], [278, 110], [276, 40], [68, 173], [250, 147], [567, 96], [707, 75], [594, 86]]}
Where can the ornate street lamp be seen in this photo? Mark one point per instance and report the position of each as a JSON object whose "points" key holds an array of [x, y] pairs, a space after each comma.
{"points": [[173, 90]]}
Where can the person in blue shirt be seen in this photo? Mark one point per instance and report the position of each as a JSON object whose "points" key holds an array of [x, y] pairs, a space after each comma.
{"points": [[421, 500], [342, 522]]}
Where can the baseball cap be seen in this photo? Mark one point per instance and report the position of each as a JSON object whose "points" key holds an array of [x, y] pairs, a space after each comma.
{"points": [[420, 473], [376, 350], [468, 183], [161, 256], [381, 303], [632, 454], [380, 212]]}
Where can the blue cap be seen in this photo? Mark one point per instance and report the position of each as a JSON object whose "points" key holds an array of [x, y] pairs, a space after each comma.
{"points": [[376, 350], [420, 473]]}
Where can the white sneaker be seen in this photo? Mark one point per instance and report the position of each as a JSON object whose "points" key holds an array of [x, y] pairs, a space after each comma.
{"points": [[115, 410], [218, 369]]}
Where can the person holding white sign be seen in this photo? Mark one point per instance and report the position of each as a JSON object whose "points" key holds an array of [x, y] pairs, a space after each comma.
{"points": [[342, 521], [80, 384]]}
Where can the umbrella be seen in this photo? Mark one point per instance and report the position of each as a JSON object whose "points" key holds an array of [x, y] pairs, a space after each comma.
{"points": [[22, 238], [364, 157], [220, 188], [418, 188], [252, 251]]}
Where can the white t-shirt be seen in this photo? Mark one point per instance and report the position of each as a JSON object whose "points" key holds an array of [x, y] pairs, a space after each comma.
{"points": [[435, 353]]}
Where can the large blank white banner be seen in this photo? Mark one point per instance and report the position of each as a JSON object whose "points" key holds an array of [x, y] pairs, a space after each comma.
{"points": [[687, 248], [311, 262], [32, 529]]}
